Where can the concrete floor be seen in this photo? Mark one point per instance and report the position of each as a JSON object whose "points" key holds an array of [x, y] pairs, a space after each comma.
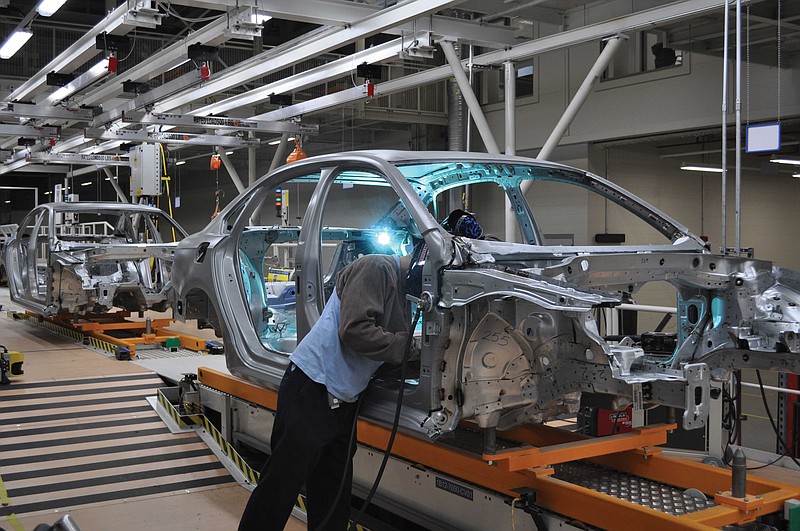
{"points": [[51, 357]]}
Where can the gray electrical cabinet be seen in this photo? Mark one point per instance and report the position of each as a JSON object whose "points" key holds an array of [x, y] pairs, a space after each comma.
{"points": [[145, 161]]}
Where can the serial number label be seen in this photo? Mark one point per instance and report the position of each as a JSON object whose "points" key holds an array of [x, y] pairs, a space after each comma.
{"points": [[454, 488]]}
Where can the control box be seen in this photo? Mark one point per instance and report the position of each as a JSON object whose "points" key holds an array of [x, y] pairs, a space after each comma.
{"points": [[145, 161]]}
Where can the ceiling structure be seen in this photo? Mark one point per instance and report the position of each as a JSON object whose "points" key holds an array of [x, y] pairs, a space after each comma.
{"points": [[307, 52]]}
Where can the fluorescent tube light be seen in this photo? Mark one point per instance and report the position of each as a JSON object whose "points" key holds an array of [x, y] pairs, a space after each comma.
{"points": [[784, 160], [701, 167], [87, 183], [229, 152], [88, 78], [14, 42], [276, 142], [48, 193], [180, 163], [796, 175], [46, 8], [8, 201]]}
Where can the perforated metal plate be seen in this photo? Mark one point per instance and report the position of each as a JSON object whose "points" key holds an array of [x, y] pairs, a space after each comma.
{"points": [[658, 496]]}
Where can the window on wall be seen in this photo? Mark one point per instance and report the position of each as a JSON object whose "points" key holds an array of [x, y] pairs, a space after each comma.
{"points": [[525, 70], [490, 87], [645, 51]]}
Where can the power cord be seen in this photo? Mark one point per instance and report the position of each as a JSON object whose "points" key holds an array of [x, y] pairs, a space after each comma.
{"points": [[789, 451], [352, 441], [395, 422], [731, 423]]}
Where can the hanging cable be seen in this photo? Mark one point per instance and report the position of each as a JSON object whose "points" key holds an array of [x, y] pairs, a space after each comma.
{"points": [[779, 59], [219, 194], [395, 422], [781, 442], [133, 46], [168, 8], [747, 68]]}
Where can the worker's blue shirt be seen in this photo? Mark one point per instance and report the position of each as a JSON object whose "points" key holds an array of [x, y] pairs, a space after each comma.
{"points": [[324, 359]]}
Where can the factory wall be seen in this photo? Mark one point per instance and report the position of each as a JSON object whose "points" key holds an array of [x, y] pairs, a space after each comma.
{"points": [[671, 99]]}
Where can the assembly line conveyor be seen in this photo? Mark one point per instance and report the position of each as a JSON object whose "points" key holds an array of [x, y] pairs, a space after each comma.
{"points": [[616, 482]]}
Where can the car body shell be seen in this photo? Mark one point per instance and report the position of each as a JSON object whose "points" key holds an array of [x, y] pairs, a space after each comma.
{"points": [[509, 331], [58, 263]]}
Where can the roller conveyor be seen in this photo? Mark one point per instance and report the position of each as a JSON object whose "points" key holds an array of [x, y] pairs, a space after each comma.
{"points": [[617, 482]]}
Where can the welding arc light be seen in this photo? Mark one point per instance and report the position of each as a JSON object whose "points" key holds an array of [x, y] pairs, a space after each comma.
{"points": [[384, 238]]}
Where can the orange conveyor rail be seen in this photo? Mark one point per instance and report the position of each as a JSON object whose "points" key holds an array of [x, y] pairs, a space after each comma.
{"points": [[529, 467]]}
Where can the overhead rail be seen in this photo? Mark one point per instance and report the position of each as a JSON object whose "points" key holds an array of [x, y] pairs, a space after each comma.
{"points": [[26, 110], [642, 19], [325, 12], [29, 131], [128, 135], [219, 122], [379, 22], [78, 158], [73, 57]]}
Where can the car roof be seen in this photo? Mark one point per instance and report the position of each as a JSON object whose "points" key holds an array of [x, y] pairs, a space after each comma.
{"points": [[102, 206]]}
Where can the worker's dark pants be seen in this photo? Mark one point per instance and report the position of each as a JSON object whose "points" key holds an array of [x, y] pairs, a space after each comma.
{"points": [[309, 445]]}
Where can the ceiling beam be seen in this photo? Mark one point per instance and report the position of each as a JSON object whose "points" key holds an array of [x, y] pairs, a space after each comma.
{"points": [[642, 19], [314, 76], [211, 34], [329, 12], [276, 59], [76, 55]]}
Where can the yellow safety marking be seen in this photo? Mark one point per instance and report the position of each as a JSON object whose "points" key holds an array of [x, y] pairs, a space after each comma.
{"points": [[232, 454], [15, 523], [4, 499], [251, 474]]}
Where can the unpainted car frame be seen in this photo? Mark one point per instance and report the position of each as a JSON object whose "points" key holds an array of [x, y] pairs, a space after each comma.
{"points": [[57, 264], [508, 333]]}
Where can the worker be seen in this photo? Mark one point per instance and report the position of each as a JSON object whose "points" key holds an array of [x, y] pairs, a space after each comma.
{"points": [[364, 324]]}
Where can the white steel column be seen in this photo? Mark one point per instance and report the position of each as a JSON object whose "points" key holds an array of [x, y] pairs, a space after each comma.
{"points": [[738, 171], [511, 139], [469, 98], [724, 182], [113, 180], [279, 151], [580, 97], [232, 171], [251, 166]]}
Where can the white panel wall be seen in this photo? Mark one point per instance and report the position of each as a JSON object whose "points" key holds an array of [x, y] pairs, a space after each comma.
{"points": [[643, 104]]}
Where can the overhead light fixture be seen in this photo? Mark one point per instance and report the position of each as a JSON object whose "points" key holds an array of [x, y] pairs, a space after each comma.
{"points": [[701, 167], [91, 76], [14, 42], [180, 163], [48, 193], [46, 8], [257, 17], [276, 142], [87, 183], [229, 152], [785, 160], [796, 175], [8, 201]]}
